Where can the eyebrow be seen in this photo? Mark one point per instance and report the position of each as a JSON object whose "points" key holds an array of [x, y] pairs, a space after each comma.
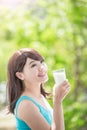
{"points": [[31, 62]]}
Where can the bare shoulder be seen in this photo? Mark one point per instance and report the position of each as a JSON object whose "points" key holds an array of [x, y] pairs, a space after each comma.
{"points": [[26, 107], [29, 113]]}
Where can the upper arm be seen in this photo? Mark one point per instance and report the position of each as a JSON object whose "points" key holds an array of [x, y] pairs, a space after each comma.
{"points": [[29, 113]]}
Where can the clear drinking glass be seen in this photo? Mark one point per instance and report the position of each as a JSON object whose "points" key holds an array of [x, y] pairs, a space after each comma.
{"points": [[59, 75]]}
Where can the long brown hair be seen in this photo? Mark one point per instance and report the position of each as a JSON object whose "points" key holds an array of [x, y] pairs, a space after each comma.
{"points": [[16, 64]]}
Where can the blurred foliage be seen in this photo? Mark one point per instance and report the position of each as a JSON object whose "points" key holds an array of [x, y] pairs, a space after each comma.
{"points": [[58, 30]]}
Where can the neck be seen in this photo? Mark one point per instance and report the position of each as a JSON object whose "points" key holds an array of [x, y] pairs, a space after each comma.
{"points": [[33, 90]]}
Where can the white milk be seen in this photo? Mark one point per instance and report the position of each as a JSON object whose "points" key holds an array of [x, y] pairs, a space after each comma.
{"points": [[59, 76]]}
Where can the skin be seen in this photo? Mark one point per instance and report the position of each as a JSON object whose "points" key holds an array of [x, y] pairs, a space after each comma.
{"points": [[35, 73]]}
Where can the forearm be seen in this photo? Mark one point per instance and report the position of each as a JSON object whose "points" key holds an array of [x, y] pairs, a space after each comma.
{"points": [[58, 116], [59, 93]]}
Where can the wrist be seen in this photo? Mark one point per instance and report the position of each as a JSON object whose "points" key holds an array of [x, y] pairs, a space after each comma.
{"points": [[56, 100]]}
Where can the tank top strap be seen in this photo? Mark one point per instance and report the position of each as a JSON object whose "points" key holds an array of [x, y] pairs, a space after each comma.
{"points": [[25, 98]]}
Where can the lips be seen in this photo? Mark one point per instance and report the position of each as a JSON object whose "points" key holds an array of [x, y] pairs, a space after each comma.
{"points": [[42, 75]]}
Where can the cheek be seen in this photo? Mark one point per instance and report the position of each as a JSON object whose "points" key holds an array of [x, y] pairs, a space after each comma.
{"points": [[34, 76], [34, 72]]}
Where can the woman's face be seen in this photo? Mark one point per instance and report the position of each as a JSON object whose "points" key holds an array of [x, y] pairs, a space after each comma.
{"points": [[35, 71]]}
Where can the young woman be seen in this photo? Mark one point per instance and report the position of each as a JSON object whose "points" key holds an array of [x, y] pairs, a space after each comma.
{"points": [[27, 72]]}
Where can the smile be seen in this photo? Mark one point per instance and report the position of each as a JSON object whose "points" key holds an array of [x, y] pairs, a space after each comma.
{"points": [[42, 75]]}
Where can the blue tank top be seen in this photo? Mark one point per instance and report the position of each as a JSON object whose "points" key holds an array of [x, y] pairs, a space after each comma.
{"points": [[46, 113]]}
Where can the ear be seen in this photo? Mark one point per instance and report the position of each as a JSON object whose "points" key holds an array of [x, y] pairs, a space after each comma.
{"points": [[19, 75]]}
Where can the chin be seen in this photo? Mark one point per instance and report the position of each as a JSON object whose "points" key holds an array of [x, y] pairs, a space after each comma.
{"points": [[44, 81]]}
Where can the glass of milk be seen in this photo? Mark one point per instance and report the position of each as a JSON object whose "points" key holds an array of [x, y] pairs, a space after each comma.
{"points": [[59, 75]]}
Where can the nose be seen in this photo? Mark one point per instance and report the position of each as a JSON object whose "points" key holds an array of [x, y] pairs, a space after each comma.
{"points": [[41, 68]]}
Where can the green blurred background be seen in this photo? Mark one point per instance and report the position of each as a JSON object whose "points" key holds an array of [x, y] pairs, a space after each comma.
{"points": [[58, 30]]}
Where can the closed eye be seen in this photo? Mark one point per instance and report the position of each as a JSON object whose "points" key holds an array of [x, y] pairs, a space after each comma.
{"points": [[42, 61], [33, 65]]}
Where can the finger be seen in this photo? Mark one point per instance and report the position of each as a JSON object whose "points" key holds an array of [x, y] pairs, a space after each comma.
{"points": [[67, 85], [67, 90], [65, 82]]}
